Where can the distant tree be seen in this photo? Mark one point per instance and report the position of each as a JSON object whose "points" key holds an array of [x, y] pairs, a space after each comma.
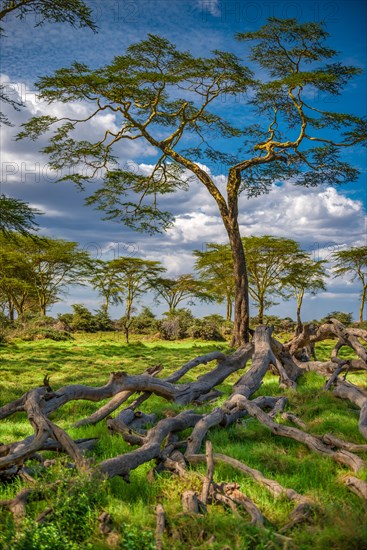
{"points": [[342, 316], [175, 291], [353, 262], [17, 217], [168, 99], [145, 322], [17, 290], [133, 277], [215, 268], [34, 272], [269, 261], [305, 275], [82, 319], [104, 279]]}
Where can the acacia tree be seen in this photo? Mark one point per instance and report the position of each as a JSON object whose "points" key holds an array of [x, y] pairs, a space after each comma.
{"points": [[215, 268], [17, 217], [175, 291], [104, 279], [168, 98], [17, 289], [269, 261], [354, 262], [306, 275], [132, 278]]}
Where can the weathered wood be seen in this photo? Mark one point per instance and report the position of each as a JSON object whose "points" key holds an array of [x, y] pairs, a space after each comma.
{"points": [[313, 443], [115, 402], [330, 439], [358, 486], [209, 472], [121, 465], [190, 502], [232, 490], [159, 526], [356, 395]]}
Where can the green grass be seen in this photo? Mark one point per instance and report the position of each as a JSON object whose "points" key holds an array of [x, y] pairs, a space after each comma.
{"points": [[339, 524]]}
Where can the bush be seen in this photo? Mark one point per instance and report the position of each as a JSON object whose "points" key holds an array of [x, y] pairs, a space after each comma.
{"points": [[145, 322], [345, 318], [208, 328], [176, 325], [40, 327]]}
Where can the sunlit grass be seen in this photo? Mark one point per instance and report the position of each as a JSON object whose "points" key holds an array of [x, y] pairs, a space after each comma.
{"points": [[340, 523]]}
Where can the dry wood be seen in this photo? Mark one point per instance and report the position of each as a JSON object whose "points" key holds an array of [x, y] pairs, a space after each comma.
{"points": [[160, 525], [121, 465], [209, 472], [190, 502], [313, 443], [358, 486], [356, 395], [115, 402]]}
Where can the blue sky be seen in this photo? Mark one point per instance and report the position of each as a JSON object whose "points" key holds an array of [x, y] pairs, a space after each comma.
{"points": [[320, 219]]}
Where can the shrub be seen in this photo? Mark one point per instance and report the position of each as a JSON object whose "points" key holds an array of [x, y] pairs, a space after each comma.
{"points": [[345, 318], [145, 322], [176, 324]]}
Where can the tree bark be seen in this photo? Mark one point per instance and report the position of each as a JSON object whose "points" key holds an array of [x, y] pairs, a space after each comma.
{"points": [[241, 301], [363, 299]]}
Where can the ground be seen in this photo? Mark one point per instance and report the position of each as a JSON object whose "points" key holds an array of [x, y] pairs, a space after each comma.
{"points": [[339, 521]]}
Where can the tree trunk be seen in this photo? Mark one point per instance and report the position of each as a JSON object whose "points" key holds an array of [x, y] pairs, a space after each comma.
{"points": [[261, 312], [362, 304], [229, 309], [241, 301], [299, 327], [11, 310]]}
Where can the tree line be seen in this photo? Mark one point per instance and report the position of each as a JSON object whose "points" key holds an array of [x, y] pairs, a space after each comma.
{"points": [[35, 274]]}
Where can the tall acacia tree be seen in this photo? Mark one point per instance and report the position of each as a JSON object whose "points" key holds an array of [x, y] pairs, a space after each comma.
{"points": [[168, 98], [353, 262]]}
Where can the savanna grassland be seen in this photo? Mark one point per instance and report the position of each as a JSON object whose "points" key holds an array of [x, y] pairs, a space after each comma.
{"points": [[75, 502]]}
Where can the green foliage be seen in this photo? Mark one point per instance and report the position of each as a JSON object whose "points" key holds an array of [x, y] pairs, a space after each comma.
{"points": [[134, 538], [33, 273], [145, 322], [71, 523], [17, 216], [353, 262], [208, 328], [75, 12], [39, 327], [184, 288], [345, 318]]}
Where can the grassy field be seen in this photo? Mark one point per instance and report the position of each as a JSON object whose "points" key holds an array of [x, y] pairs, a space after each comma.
{"points": [[340, 522]]}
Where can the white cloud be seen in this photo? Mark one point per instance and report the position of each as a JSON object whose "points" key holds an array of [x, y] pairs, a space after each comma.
{"points": [[210, 6]]}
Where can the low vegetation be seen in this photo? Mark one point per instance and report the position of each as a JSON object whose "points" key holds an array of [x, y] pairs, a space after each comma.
{"points": [[72, 510]]}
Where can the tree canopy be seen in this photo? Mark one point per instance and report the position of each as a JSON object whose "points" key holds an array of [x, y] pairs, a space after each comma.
{"points": [[165, 97], [353, 262]]}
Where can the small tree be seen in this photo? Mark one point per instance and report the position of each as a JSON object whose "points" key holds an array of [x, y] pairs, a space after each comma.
{"points": [[215, 268], [104, 279], [269, 262], [133, 278], [305, 275], [175, 291], [354, 262]]}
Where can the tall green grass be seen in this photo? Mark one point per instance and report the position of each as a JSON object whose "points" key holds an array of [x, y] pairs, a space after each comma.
{"points": [[77, 502]]}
